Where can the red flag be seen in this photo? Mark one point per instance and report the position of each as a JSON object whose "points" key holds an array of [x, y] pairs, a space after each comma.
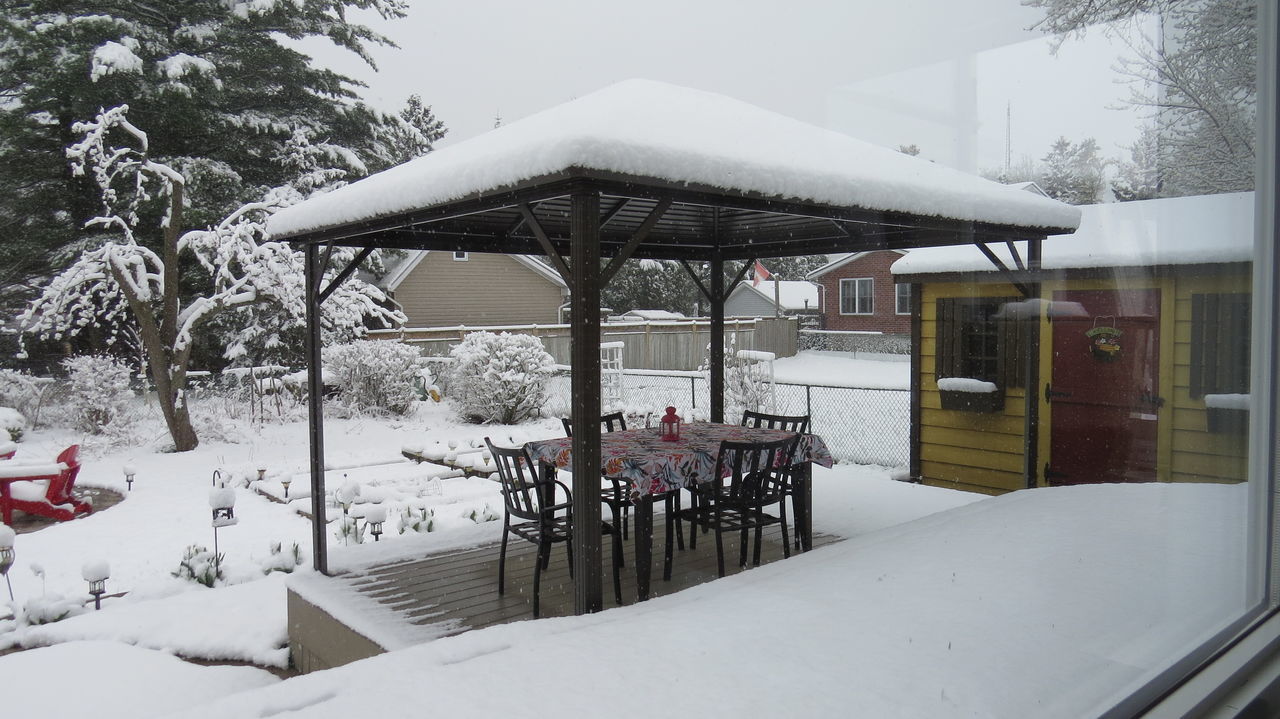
{"points": [[759, 273]]}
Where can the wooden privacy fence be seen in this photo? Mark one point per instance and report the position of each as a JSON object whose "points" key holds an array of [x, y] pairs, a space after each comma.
{"points": [[665, 344]]}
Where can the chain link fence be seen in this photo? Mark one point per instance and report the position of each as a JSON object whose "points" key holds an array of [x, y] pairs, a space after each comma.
{"points": [[862, 425]]}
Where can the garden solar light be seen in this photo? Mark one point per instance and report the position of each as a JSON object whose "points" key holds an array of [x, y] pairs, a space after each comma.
{"points": [[285, 483], [129, 471], [374, 517], [96, 574], [7, 554], [223, 502], [262, 472]]}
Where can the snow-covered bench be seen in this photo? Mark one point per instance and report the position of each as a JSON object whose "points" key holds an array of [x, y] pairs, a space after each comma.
{"points": [[43, 489]]}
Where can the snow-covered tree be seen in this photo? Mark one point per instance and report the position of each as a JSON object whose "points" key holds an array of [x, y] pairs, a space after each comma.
{"points": [[123, 282], [1073, 172], [419, 131], [1138, 178], [194, 74], [1197, 74]]}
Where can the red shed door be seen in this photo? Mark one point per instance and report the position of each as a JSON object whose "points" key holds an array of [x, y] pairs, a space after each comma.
{"points": [[1105, 385]]}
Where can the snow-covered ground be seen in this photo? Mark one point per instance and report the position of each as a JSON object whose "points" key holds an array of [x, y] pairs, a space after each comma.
{"points": [[842, 369], [941, 603]]}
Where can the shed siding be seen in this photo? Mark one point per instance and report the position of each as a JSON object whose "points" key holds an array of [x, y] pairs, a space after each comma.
{"points": [[984, 452], [486, 289], [966, 450]]}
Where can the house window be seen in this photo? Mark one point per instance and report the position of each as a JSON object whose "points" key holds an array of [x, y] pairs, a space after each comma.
{"points": [[856, 297], [459, 256], [1219, 344], [973, 342], [903, 290]]}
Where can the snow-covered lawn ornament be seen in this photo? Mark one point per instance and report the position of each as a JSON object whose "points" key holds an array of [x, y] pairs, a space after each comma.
{"points": [[285, 483], [223, 502], [7, 554], [347, 493], [262, 472], [129, 472], [96, 574]]}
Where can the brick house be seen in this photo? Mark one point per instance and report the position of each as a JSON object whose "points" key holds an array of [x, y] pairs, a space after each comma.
{"points": [[857, 293]]}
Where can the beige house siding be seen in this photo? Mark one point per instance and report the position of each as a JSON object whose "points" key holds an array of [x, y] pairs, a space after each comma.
{"points": [[484, 289]]}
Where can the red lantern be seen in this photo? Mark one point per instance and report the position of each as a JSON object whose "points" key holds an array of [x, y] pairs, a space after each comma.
{"points": [[669, 425]]}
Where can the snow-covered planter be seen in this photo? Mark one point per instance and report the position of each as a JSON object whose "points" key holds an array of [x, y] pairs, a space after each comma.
{"points": [[99, 390], [499, 378], [1227, 413], [966, 394], [373, 375]]}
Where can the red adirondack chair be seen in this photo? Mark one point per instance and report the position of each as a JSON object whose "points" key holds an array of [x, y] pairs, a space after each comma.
{"points": [[43, 489]]}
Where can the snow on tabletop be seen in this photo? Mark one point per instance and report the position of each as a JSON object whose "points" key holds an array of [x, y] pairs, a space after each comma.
{"points": [[95, 571], [939, 617], [1144, 233], [966, 384], [109, 680], [1227, 401], [671, 133]]}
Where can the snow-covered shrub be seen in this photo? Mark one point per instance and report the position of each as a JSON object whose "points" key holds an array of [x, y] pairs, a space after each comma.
{"points": [[500, 378], [417, 520], [200, 566], [12, 422], [49, 608], [746, 385], [99, 390], [21, 392], [349, 530], [373, 375], [282, 561]]}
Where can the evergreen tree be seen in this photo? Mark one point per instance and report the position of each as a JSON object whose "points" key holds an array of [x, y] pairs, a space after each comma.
{"points": [[1073, 172], [219, 92], [1138, 178], [418, 133]]}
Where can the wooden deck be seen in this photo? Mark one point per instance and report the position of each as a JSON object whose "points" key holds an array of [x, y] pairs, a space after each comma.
{"points": [[455, 592]]}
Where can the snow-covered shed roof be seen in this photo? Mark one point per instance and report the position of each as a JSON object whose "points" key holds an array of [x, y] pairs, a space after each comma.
{"points": [[1198, 229], [792, 294], [652, 315], [816, 185], [410, 261]]}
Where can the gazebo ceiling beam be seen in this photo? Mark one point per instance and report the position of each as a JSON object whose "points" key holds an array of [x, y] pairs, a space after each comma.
{"points": [[737, 279], [696, 280], [641, 234], [613, 211]]}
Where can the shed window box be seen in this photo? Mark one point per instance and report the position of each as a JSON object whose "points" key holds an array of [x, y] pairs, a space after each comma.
{"points": [[1227, 413], [970, 395]]}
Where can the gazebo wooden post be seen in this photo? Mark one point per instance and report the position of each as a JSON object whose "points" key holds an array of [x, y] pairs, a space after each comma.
{"points": [[1031, 350], [716, 356], [584, 295], [315, 409]]}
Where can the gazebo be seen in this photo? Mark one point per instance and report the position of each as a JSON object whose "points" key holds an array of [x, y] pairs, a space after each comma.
{"points": [[643, 169]]}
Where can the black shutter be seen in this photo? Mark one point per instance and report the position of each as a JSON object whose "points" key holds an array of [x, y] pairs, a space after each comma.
{"points": [[1220, 326]]}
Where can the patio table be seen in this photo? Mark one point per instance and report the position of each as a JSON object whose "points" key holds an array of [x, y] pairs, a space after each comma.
{"points": [[654, 465]]}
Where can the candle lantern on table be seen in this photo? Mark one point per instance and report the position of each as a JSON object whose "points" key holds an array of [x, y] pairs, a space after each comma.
{"points": [[669, 425]]}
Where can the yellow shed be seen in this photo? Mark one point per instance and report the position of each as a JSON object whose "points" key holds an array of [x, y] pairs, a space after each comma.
{"points": [[1134, 338]]}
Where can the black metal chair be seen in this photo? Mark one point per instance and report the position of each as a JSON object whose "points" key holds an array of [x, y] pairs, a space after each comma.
{"points": [[530, 498], [751, 476], [618, 494], [791, 423]]}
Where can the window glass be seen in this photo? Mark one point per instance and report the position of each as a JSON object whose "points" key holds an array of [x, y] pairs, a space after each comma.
{"points": [[903, 299], [856, 296]]}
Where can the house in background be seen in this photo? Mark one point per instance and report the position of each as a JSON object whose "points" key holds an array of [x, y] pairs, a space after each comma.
{"points": [[794, 297], [446, 289], [859, 296], [1137, 346]]}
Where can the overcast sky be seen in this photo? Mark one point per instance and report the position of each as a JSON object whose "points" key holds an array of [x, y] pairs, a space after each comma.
{"points": [[841, 64]]}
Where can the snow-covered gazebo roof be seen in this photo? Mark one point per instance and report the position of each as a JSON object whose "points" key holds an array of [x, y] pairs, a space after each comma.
{"points": [[782, 186]]}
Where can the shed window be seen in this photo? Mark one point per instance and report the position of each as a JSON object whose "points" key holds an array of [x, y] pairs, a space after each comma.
{"points": [[856, 296], [460, 256], [903, 298], [973, 342], [1219, 344]]}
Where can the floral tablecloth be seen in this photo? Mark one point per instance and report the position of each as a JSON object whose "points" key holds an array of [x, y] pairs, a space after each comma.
{"points": [[654, 465]]}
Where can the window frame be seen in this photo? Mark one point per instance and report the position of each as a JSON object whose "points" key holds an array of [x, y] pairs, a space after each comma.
{"points": [[898, 298], [461, 256], [856, 296]]}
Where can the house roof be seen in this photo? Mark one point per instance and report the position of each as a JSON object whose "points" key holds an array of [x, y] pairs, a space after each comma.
{"points": [[393, 278], [844, 260], [798, 183], [792, 294], [1200, 229]]}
